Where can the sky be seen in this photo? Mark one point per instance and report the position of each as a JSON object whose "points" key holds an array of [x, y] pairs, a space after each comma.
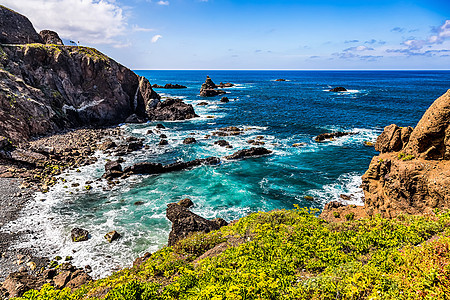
{"points": [[254, 34]]}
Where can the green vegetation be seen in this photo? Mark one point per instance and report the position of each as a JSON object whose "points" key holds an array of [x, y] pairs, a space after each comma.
{"points": [[404, 156], [290, 255]]}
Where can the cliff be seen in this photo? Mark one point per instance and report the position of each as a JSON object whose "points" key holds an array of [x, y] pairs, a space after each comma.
{"points": [[46, 88]]}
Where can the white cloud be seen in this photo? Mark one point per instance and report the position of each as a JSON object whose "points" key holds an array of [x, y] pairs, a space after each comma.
{"points": [[141, 29], [155, 38], [163, 2], [358, 48], [443, 33], [87, 21]]}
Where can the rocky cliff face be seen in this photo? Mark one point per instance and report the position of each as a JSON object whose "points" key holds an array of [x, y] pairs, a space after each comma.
{"points": [[46, 88], [412, 173], [16, 28]]}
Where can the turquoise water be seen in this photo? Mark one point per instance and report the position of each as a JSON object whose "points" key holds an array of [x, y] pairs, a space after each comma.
{"points": [[289, 112]]}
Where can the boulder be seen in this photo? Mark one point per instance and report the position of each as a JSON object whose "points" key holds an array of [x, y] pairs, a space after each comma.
{"points": [[163, 143], [338, 89], [222, 143], [172, 110], [185, 222], [50, 37], [189, 140], [16, 28], [249, 153], [160, 126], [224, 100], [202, 104], [16, 284], [280, 79], [79, 235], [393, 138], [331, 135], [430, 139], [186, 202], [112, 236]]}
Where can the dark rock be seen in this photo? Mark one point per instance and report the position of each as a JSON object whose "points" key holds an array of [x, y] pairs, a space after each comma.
{"points": [[338, 89], [134, 119], [163, 143], [345, 197], [157, 168], [16, 28], [150, 131], [225, 100], [5, 144], [79, 235], [225, 85], [112, 236], [228, 131], [280, 79], [163, 136], [331, 135], [185, 222], [174, 86], [249, 153], [172, 110], [186, 202], [138, 203], [202, 103], [50, 37], [160, 126], [222, 143], [220, 222], [189, 140], [209, 89], [157, 86], [113, 166]]}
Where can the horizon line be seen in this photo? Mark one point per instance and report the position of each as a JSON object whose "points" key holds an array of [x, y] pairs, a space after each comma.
{"points": [[292, 69]]}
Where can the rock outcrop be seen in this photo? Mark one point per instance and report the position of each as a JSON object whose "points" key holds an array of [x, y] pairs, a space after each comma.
{"points": [[65, 275], [50, 37], [47, 88], [331, 135], [412, 172], [338, 89], [185, 222], [16, 28], [209, 89], [244, 153], [169, 86]]}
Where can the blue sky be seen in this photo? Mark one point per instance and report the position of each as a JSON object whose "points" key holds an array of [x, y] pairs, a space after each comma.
{"points": [[264, 34]]}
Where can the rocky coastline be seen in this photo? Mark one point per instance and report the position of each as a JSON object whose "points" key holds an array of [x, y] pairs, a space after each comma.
{"points": [[73, 104]]}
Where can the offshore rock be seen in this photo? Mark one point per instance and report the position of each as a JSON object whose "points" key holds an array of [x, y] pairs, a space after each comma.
{"points": [[249, 153], [16, 28], [185, 222], [171, 110], [338, 89], [331, 135], [50, 37], [209, 89], [112, 236]]}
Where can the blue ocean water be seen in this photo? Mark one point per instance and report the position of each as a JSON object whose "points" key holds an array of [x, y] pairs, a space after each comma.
{"points": [[284, 113]]}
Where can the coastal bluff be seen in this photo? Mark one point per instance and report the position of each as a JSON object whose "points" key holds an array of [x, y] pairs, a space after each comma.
{"points": [[48, 88], [412, 172]]}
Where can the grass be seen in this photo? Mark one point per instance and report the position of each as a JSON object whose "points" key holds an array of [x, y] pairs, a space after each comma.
{"points": [[291, 255]]}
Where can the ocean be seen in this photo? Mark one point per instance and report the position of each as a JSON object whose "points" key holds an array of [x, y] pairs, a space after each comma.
{"points": [[284, 113]]}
